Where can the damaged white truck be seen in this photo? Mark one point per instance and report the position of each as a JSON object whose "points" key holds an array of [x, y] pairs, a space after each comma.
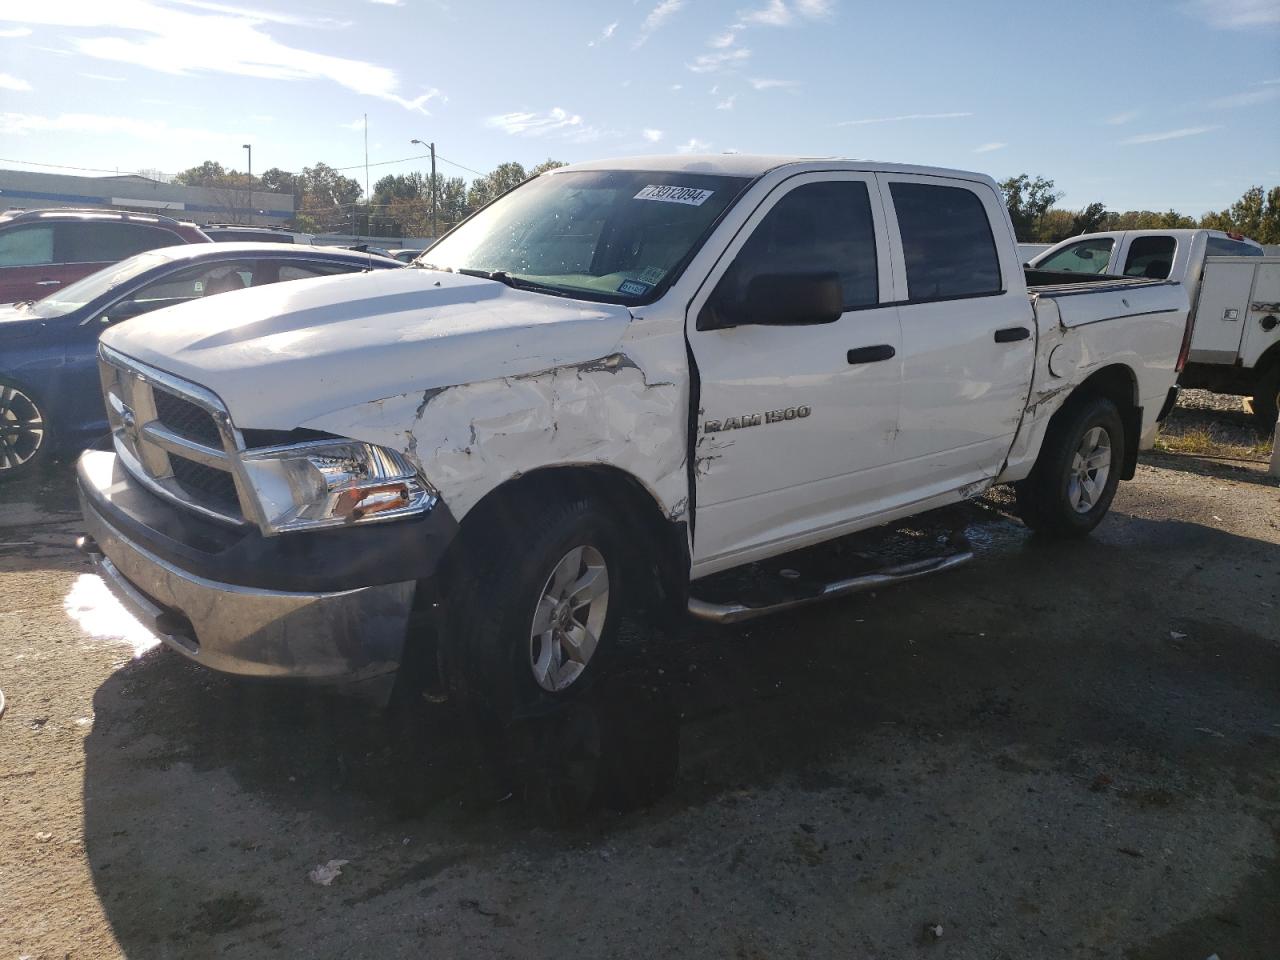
{"points": [[612, 383]]}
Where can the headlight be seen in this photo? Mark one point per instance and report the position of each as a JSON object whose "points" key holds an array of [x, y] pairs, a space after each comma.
{"points": [[333, 483]]}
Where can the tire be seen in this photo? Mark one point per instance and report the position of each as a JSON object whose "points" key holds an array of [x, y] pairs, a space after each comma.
{"points": [[1064, 496], [25, 436], [515, 576], [1266, 400]]}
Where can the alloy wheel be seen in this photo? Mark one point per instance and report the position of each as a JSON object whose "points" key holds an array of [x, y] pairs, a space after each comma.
{"points": [[1090, 467], [569, 618], [22, 429]]}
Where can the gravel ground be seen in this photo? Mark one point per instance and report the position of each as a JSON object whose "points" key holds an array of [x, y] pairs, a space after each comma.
{"points": [[1221, 417], [1061, 749]]}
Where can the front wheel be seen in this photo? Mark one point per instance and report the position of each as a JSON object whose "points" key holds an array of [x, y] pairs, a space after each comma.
{"points": [[534, 606], [24, 433], [1076, 475]]}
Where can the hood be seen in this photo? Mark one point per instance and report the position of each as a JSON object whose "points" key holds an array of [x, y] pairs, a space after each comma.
{"points": [[284, 354], [18, 322]]}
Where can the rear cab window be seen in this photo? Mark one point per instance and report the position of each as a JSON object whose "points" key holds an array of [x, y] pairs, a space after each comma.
{"points": [[1084, 256], [1150, 257], [947, 244], [1225, 247]]}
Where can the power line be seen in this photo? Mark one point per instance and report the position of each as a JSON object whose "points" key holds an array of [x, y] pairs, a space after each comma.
{"points": [[353, 166]]}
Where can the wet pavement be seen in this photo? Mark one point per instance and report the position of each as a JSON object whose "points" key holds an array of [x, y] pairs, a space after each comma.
{"points": [[1060, 749]]}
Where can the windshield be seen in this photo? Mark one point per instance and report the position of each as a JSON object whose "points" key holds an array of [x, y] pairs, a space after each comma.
{"points": [[95, 285], [618, 236]]}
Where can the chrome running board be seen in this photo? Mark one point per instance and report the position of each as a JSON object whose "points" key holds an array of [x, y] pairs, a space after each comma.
{"points": [[738, 612]]}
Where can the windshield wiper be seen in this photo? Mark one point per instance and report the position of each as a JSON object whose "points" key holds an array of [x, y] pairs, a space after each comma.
{"points": [[514, 282]]}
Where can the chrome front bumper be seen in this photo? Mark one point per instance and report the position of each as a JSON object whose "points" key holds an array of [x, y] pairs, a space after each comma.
{"points": [[345, 636]]}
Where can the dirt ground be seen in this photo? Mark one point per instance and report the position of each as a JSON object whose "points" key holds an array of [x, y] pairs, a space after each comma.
{"points": [[1060, 749]]}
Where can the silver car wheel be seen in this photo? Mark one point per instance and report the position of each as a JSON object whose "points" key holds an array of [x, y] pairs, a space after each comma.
{"points": [[569, 618], [22, 428], [1090, 467]]}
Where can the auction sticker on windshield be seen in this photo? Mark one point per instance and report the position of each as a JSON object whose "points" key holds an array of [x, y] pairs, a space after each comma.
{"points": [[669, 193]]}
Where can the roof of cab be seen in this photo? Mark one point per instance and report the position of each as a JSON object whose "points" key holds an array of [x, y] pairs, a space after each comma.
{"points": [[755, 165]]}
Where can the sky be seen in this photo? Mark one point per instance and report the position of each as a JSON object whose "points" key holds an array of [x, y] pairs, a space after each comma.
{"points": [[1153, 104]]}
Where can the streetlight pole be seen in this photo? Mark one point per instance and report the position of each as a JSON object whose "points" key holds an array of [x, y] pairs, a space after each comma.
{"points": [[250, 211], [432, 147]]}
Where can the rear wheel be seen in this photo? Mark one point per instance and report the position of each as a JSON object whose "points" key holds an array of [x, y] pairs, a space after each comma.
{"points": [[24, 432], [1266, 399], [1076, 475]]}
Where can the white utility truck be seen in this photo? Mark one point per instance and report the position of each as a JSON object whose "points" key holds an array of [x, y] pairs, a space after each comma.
{"points": [[1235, 301], [612, 383]]}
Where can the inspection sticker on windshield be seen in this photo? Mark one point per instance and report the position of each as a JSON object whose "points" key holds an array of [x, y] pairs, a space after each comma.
{"points": [[669, 193], [633, 288]]}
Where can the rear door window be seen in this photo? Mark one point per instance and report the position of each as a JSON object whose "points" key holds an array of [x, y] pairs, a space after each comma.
{"points": [[1150, 257], [108, 241], [26, 246], [947, 243], [1085, 256]]}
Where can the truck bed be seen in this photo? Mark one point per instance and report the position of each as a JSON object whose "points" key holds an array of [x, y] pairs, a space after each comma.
{"points": [[1084, 298]]}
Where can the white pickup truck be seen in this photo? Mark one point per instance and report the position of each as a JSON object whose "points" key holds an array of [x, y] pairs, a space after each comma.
{"points": [[612, 383], [1235, 301]]}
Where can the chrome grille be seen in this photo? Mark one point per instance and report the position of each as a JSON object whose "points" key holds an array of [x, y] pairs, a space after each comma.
{"points": [[175, 437], [187, 419]]}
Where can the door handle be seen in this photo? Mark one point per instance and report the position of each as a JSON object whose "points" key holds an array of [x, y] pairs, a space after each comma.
{"points": [[48, 283], [1012, 334], [883, 351]]}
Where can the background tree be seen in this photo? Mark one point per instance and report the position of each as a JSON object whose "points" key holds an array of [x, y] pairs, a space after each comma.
{"points": [[1028, 201], [276, 180], [495, 183], [545, 165], [325, 199]]}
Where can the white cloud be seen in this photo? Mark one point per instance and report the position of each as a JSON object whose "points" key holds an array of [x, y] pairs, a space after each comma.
{"points": [[388, 3], [657, 18], [104, 78], [1122, 118], [711, 62], [694, 146], [764, 84], [1246, 99], [605, 34], [16, 32], [191, 37], [20, 124], [722, 40], [653, 136], [727, 102], [1169, 135], [1236, 14], [556, 122], [775, 14], [904, 116], [356, 124], [8, 82], [988, 147], [677, 86]]}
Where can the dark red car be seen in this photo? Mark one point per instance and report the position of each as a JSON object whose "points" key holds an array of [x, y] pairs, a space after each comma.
{"points": [[42, 251]]}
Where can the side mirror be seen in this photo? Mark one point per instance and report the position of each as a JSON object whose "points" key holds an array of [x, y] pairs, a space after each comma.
{"points": [[781, 299], [122, 311]]}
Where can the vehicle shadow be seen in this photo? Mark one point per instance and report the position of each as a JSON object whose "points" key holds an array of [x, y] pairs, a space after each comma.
{"points": [[194, 783], [1211, 467]]}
